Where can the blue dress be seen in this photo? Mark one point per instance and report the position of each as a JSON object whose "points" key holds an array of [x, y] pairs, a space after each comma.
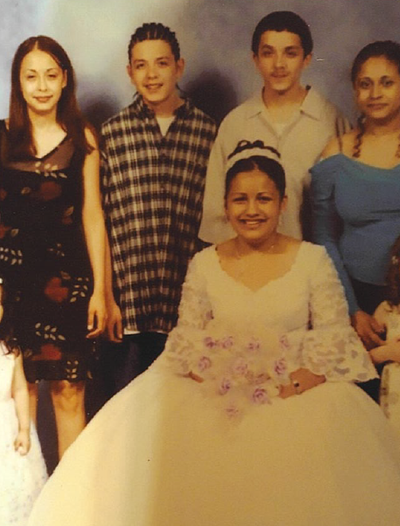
{"points": [[364, 201]]}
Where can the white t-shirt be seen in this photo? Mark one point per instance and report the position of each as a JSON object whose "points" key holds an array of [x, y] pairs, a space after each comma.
{"points": [[164, 123]]}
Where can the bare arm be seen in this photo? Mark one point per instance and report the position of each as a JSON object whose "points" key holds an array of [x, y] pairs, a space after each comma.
{"points": [[389, 350], [95, 234], [114, 317], [21, 400]]}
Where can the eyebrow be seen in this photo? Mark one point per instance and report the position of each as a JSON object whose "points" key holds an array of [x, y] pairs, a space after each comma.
{"points": [[366, 77], [157, 58], [55, 68], [287, 48]]}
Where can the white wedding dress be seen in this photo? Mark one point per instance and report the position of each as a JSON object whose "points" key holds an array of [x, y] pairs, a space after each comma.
{"points": [[171, 451]]}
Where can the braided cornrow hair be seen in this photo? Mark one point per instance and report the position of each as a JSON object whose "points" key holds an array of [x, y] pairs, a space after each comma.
{"points": [[381, 48], [155, 31]]}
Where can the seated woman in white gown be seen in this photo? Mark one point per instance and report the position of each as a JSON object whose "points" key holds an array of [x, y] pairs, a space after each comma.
{"points": [[251, 415]]}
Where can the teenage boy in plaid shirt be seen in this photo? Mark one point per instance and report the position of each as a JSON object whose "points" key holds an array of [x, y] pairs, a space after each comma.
{"points": [[155, 154]]}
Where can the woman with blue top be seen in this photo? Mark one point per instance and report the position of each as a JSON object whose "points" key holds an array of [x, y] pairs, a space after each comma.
{"points": [[356, 189]]}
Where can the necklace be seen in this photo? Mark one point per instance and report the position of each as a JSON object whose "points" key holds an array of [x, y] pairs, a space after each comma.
{"points": [[242, 266], [267, 250]]}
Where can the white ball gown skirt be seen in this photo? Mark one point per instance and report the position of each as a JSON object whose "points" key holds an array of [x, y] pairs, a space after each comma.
{"points": [[161, 454]]}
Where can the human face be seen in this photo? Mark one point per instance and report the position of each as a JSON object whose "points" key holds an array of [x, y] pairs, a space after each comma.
{"points": [[280, 60], [155, 72], [42, 81], [253, 206], [377, 89]]}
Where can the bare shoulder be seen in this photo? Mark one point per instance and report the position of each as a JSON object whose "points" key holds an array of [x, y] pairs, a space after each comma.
{"points": [[343, 145], [91, 137]]}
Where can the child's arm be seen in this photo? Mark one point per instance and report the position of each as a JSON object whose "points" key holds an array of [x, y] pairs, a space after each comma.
{"points": [[20, 394], [389, 351]]}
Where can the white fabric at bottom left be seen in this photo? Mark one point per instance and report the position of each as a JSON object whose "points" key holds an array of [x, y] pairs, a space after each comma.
{"points": [[21, 477]]}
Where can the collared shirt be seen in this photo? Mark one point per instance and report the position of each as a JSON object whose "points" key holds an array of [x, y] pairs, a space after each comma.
{"points": [[300, 143], [153, 189]]}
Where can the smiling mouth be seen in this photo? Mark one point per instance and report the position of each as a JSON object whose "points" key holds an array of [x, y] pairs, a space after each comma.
{"points": [[379, 106], [43, 99], [252, 222], [153, 87]]}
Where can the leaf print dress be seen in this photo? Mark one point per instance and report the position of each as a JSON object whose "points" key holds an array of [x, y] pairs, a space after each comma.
{"points": [[43, 257]]}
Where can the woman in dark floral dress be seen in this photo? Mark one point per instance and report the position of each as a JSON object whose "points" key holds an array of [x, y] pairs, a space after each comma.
{"points": [[52, 234]]}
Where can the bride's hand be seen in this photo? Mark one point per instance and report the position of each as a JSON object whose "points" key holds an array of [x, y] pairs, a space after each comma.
{"points": [[301, 380]]}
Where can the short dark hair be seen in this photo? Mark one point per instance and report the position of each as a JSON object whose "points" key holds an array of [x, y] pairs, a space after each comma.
{"points": [[270, 167], [283, 21], [155, 31]]}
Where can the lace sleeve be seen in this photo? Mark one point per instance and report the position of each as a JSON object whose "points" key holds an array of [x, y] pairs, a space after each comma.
{"points": [[194, 314], [331, 347]]}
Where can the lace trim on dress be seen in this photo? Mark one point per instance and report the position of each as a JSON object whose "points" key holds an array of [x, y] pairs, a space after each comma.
{"points": [[239, 368]]}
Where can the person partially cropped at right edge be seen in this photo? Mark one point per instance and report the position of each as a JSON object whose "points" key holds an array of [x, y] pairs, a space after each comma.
{"points": [[356, 190]]}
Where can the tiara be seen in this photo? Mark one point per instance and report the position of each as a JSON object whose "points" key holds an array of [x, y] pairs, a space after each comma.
{"points": [[246, 149]]}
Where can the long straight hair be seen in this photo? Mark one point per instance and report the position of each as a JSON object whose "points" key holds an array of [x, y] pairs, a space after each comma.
{"points": [[6, 323], [69, 117]]}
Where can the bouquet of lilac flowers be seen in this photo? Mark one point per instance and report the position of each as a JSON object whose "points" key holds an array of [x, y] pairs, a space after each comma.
{"points": [[240, 370]]}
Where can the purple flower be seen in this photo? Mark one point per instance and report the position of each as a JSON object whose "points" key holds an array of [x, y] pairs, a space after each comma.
{"points": [[253, 345], [204, 363], [240, 367], [210, 343], [226, 343], [284, 342], [260, 378], [209, 315], [232, 411], [224, 386], [280, 367], [260, 396]]}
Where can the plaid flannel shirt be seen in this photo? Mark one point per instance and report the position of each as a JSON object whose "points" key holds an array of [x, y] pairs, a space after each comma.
{"points": [[153, 191]]}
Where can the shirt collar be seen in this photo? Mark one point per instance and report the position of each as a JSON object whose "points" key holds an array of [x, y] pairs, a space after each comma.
{"points": [[143, 111], [312, 104]]}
